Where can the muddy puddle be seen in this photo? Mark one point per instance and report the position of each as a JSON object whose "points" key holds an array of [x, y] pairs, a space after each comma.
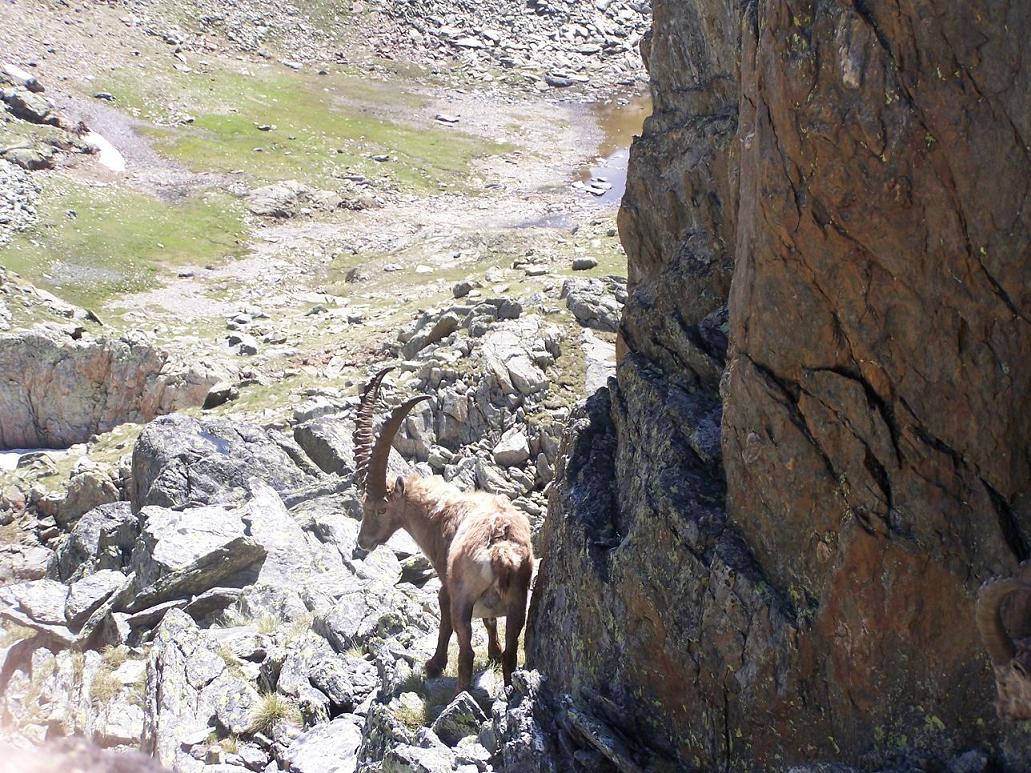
{"points": [[605, 178], [603, 181]]}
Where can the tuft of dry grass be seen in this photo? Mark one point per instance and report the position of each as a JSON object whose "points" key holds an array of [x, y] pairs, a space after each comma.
{"points": [[104, 688], [271, 709], [113, 657]]}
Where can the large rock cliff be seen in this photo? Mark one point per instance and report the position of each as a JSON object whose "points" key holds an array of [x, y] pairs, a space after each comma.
{"points": [[850, 180]]}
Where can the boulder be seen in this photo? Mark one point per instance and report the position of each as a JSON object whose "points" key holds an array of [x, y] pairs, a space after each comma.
{"points": [[69, 389], [513, 450], [30, 106], [597, 302], [190, 686], [32, 159], [43, 601], [103, 538], [87, 594], [414, 759], [328, 441], [179, 461], [86, 491], [181, 553], [524, 741], [460, 718], [282, 199], [330, 747]]}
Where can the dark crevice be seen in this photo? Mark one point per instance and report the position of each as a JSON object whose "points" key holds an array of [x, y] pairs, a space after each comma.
{"points": [[791, 391], [882, 406], [881, 478], [1008, 523]]}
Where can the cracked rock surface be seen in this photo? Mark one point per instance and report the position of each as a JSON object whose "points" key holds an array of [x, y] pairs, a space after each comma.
{"points": [[798, 586]]}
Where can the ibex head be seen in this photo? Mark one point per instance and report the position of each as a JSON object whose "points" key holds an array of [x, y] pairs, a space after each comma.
{"points": [[381, 504], [1011, 659]]}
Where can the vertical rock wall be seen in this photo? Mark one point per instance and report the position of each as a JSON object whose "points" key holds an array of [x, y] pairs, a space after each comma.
{"points": [[861, 170]]}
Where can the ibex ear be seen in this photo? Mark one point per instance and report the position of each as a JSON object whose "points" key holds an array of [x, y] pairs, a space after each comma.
{"points": [[399, 487]]}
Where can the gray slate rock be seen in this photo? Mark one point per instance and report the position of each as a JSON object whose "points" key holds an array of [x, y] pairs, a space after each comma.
{"points": [[103, 538], [87, 594], [86, 491], [183, 553], [331, 747], [414, 759], [462, 717], [179, 461]]}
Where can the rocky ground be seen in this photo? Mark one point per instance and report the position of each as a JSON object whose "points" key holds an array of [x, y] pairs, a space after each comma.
{"points": [[227, 216]]}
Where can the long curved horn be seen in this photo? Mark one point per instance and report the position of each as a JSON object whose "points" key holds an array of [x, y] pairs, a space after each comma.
{"points": [[363, 422], [376, 482], [988, 615]]}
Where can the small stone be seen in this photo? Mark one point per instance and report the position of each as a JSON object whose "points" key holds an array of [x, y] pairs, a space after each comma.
{"points": [[513, 449], [584, 264], [220, 394]]}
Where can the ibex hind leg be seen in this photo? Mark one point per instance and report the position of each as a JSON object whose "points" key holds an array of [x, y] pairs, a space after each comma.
{"points": [[513, 627], [493, 645]]}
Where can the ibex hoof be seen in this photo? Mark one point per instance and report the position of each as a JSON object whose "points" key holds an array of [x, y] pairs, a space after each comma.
{"points": [[435, 667]]}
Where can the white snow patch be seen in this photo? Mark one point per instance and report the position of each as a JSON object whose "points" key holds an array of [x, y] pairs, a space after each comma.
{"points": [[9, 459], [107, 154]]}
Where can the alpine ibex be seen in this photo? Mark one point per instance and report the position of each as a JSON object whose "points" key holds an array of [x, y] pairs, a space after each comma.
{"points": [[479, 544], [1010, 655]]}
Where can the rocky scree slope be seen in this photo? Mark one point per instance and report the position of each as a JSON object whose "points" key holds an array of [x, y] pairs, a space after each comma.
{"points": [[764, 545], [549, 43], [203, 601]]}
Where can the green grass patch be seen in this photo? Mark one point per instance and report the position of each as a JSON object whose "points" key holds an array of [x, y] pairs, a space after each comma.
{"points": [[119, 241], [325, 126]]}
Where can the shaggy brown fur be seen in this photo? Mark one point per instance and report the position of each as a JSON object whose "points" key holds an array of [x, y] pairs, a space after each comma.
{"points": [[479, 545]]}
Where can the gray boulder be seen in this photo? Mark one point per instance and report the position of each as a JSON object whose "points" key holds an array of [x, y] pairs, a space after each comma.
{"points": [[32, 159], [183, 553], [382, 732], [328, 441], [179, 461], [524, 743], [331, 747], [191, 687], [282, 199], [30, 106], [513, 449], [415, 759], [462, 717], [103, 538], [86, 595], [596, 302], [86, 491]]}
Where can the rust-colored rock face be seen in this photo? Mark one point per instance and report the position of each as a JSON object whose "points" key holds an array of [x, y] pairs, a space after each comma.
{"points": [[801, 586]]}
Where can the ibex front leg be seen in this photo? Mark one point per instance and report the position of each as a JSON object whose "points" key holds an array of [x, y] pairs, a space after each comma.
{"points": [[435, 666]]}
